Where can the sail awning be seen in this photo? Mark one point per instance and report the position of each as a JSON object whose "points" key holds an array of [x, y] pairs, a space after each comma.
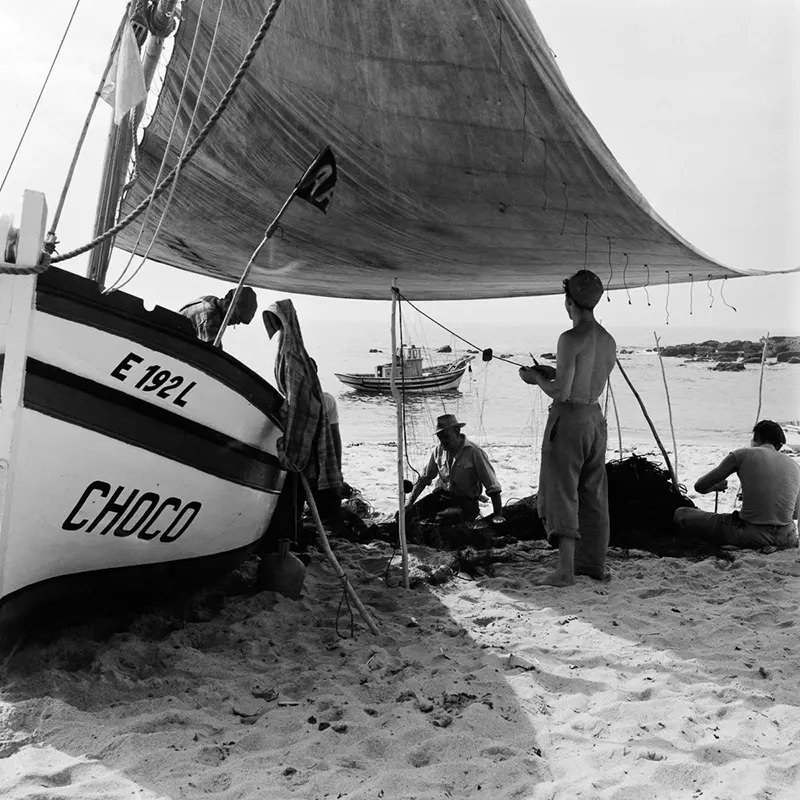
{"points": [[466, 168]]}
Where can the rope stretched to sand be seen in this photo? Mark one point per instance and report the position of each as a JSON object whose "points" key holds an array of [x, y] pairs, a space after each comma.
{"points": [[669, 405], [761, 379], [650, 423], [201, 137], [616, 415], [326, 548]]}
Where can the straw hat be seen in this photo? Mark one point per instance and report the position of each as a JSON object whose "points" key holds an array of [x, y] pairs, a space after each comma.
{"points": [[446, 421]]}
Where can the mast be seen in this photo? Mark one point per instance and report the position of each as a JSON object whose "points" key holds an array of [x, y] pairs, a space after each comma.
{"points": [[160, 25]]}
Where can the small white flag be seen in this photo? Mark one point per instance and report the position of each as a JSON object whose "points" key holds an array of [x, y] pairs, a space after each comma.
{"points": [[124, 88]]}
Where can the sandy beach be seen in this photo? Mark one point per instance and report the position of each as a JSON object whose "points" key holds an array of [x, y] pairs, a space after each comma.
{"points": [[676, 679]]}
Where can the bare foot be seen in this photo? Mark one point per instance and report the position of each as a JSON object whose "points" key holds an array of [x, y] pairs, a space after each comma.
{"points": [[555, 578]]}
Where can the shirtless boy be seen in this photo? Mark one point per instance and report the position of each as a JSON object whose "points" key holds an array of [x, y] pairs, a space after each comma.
{"points": [[573, 491]]}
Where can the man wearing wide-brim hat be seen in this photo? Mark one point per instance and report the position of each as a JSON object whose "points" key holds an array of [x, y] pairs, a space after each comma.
{"points": [[462, 471]]}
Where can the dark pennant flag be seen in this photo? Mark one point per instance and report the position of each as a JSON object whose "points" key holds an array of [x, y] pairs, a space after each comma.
{"points": [[316, 186]]}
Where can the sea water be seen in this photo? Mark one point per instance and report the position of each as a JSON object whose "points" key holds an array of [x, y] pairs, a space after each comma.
{"points": [[707, 406]]}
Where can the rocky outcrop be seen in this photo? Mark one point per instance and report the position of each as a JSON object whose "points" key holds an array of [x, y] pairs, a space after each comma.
{"points": [[781, 348]]}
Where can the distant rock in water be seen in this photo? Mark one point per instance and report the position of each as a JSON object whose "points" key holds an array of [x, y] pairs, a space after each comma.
{"points": [[548, 356], [375, 350], [445, 349], [728, 366]]}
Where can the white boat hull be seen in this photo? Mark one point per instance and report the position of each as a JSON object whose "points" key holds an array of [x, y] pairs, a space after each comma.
{"points": [[437, 382], [125, 443], [116, 505]]}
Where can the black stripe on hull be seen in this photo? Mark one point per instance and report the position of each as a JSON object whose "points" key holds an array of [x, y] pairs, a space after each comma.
{"points": [[79, 300], [56, 601], [80, 401]]}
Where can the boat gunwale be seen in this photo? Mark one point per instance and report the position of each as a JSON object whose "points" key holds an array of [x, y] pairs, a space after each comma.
{"points": [[79, 300]]}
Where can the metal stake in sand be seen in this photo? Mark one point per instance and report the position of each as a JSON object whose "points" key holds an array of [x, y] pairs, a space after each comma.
{"points": [[326, 548], [316, 187], [650, 423], [398, 401]]}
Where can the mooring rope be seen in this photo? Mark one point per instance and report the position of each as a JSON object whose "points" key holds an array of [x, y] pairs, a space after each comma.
{"points": [[201, 137]]}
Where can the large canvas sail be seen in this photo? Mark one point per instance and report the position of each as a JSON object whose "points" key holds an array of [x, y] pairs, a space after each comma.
{"points": [[466, 168]]}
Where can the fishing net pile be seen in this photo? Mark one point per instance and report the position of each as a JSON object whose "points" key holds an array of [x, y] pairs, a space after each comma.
{"points": [[641, 498]]}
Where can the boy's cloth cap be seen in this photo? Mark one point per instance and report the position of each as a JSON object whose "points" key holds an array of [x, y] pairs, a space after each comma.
{"points": [[585, 288]]}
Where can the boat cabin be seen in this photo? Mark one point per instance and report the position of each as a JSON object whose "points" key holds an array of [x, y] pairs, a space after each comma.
{"points": [[409, 364]]}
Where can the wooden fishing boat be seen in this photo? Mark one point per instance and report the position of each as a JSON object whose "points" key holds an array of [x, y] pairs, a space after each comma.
{"points": [[117, 466], [412, 376]]}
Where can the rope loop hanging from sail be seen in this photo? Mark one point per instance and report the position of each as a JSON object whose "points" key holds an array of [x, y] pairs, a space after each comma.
{"points": [[266, 24]]}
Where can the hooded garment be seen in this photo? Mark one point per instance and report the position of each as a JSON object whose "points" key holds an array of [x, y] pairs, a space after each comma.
{"points": [[307, 442]]}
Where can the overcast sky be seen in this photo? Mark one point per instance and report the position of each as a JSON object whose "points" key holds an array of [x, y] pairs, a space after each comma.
{"points": [[699, 100]]}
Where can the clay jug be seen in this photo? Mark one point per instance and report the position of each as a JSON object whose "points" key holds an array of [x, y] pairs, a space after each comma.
{"points": [[282, 572]]}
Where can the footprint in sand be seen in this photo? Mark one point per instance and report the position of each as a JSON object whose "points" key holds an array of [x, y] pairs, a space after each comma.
{"points": [[645, 593]]}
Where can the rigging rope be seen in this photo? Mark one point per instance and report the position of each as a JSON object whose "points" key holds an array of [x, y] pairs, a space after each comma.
{"points": [[119, 283], [51, 235], [453, 333], [201, 137], [41, 92]]}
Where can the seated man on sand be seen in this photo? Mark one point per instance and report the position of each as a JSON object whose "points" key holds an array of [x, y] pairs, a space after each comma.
{"points": [[461, 470], [770, 482]]}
